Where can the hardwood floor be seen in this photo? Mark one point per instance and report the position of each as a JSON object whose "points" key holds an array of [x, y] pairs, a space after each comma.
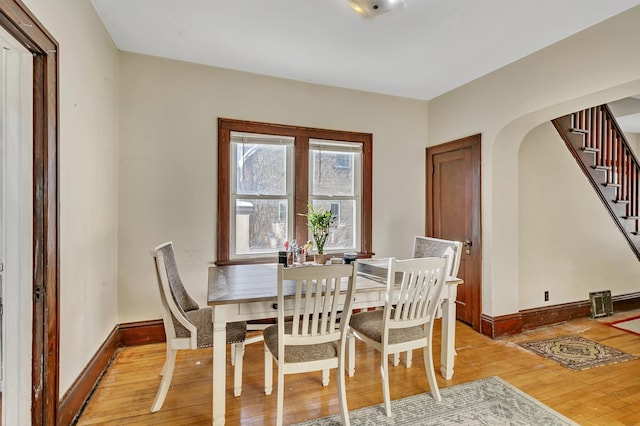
{"points": [[607, 395]]}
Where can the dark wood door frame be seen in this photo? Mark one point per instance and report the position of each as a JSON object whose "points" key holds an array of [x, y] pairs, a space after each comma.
{"points": [[22, 25], [474, 143]]}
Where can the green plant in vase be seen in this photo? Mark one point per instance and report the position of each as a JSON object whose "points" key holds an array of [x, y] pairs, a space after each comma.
{"points": [[319, 221]]}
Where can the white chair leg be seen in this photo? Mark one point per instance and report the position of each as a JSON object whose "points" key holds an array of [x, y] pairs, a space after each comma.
{"points": [[408, 358], [166, 360], [167, 374], [238, 355], [233, 354], [342, 394], [325, 377], [396, 359], [351, 358], [428, 366], [280, 406], [268, 371], [384, 370]]}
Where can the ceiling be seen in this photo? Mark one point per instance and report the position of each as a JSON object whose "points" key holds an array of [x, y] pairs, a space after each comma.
{"points": [[422, 51]]}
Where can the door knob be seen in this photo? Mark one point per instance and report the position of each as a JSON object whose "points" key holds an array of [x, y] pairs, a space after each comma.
{"points": [[467, 246]]}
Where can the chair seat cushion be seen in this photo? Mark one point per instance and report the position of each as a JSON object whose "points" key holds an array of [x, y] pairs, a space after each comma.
{"points": [[202, 319], [298, 353], [369, 324]]}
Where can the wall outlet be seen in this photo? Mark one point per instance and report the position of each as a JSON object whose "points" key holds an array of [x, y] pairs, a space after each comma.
{"points": [[546, 295]]}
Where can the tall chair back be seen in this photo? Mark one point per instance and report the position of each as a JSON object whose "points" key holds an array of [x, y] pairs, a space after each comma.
{"points": [[435, 247], [414, 300]]}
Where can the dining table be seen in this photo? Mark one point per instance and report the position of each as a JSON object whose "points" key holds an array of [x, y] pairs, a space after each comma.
{"points": [[249, 292]]}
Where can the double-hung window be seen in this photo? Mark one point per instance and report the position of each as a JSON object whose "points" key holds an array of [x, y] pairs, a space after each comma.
{"points": [[335, 185], [269, 173], [261, 190]]}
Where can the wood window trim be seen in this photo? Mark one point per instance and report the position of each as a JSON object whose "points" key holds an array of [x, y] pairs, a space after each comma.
{"points": [[302, 136]]}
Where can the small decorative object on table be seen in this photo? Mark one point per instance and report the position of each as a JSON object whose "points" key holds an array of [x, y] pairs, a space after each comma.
{"points": [[349, 257], [319, 223]]}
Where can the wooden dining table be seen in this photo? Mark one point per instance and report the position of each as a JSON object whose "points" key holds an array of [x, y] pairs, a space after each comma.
{"points": [[249, 292]]}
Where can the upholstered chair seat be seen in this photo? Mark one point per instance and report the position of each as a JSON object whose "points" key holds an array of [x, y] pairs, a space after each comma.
{"points": [[370, 324], [298, 353], [201, 319]]}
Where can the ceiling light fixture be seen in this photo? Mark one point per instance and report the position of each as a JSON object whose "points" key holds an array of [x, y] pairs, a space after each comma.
{"points": [[374, 8]]}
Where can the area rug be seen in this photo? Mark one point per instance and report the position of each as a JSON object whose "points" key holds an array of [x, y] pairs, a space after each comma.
{"points": [[632, 325], [490, 401], [577, 353]]}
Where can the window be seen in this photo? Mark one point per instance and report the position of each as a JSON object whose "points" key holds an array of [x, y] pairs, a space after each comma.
{"points": [[268, 173], [335, 186], [261, 189]]}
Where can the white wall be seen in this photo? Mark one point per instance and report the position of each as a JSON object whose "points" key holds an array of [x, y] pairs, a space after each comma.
{"points": [[589, 68], [168, 162], [569, 244], [88, 181]]}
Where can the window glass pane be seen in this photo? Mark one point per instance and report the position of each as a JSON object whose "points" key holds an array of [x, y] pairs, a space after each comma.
{"points": [[261, 168], [332, 172], [261, 225], [342, 235]]}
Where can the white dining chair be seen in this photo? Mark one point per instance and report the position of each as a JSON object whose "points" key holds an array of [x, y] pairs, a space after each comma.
{"points": [[434, 247], [315, 337], [406, 322], [187, 325]]}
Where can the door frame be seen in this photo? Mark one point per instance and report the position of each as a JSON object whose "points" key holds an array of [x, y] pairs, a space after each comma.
{"points": [[23, 26], [472, 142]]}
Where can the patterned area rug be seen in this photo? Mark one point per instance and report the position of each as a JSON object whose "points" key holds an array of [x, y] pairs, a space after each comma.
{"points": [[577, 353], [490, 401], [632, 325]]}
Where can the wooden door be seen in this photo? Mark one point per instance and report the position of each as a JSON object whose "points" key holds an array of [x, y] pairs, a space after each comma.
{"points": [[453, 213]]}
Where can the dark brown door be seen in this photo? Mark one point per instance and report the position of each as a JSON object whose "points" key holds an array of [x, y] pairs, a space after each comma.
{"points": [[453, 213]]}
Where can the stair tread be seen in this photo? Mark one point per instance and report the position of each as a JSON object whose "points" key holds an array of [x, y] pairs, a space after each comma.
{"points": [[621, 201], [591, 150], [577, 130], [615, 185]]}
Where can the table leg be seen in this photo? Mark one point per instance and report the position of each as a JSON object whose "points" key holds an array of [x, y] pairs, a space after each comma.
{"points": [[448, 346], [219, 363]]}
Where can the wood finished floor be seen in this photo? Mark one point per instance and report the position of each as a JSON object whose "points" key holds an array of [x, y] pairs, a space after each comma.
{"points": [[607, 395]]}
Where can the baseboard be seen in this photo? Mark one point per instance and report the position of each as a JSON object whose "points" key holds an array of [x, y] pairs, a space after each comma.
{"points": [[142, 333], [547, 315], [129, 334], [504, 325], [527, 319], [74, 399], [626, 302]]}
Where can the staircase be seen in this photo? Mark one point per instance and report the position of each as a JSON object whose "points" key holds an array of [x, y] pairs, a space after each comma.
{"points": [[602, 152]]}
